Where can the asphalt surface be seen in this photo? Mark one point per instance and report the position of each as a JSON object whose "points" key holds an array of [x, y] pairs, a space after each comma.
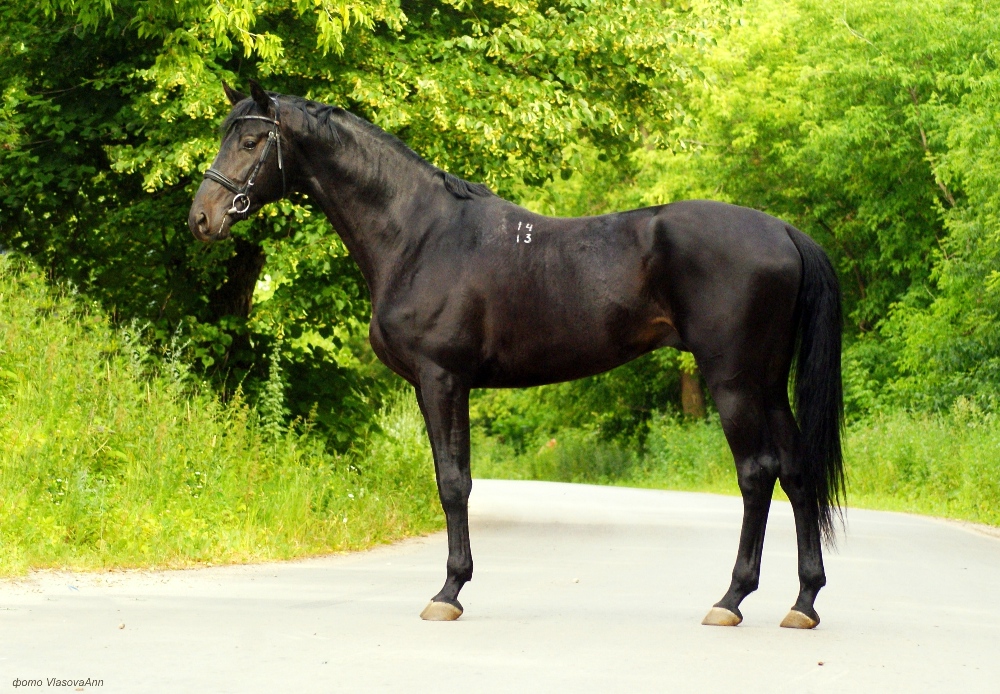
{"points": [[577, 589]]}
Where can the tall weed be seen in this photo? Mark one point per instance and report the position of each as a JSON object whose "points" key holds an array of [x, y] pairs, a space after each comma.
{"points": [[106, 461]]}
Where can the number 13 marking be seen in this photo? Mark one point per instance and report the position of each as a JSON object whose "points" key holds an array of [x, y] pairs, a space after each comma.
{"points": [[528, 228]]}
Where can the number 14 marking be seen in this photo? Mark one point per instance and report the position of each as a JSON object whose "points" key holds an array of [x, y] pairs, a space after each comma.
{"points": [[527, 236]]}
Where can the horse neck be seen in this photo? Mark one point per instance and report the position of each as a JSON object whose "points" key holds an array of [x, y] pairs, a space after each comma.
{"points": [[370, 190]]}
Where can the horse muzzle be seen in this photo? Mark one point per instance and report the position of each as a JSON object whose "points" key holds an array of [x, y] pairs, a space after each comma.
{"points": [[206, 229]]}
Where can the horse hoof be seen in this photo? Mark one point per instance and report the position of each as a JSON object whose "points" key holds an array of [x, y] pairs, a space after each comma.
{"points": [[799, 620], [440, 612], [721, 617]]}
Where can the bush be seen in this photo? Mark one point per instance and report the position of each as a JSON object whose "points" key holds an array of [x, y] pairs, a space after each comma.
{"points": [[572, 455], [687, 455]]}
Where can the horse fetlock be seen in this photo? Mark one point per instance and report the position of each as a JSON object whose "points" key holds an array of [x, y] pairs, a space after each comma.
{"points": [[811, 583], [805, 600], [459, 573], [746, 579]]}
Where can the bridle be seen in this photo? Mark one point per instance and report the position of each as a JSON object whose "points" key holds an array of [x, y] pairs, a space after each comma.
{"points": [[241, 197]]}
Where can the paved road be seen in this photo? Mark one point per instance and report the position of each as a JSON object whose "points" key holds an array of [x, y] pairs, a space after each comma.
{"points": [[577, 589]]}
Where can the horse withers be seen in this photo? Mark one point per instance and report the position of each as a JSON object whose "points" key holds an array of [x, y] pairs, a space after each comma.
{"points": [[471, 291]]}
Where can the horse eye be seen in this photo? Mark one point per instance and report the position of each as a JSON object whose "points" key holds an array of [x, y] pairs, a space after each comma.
{"points": [[249, 144]]}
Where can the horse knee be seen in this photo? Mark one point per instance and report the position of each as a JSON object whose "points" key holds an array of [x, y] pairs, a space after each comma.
{"points": [[454, 491]]}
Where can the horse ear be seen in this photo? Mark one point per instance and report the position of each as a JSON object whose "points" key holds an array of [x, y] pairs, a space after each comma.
{"points": [[260, 97], [234, 96]]}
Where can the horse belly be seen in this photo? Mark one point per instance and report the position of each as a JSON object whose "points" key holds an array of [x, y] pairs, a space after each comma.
{"points": [[560, 339]]}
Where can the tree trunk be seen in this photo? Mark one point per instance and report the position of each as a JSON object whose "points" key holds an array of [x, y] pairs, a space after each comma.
{"points": [[234, 299], [235, 296], [692, 399]]}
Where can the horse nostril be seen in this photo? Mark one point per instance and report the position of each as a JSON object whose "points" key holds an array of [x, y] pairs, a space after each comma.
{"points": [[202, 223]]}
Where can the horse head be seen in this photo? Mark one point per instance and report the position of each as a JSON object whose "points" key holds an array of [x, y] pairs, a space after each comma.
{"points": [[249, 170]]}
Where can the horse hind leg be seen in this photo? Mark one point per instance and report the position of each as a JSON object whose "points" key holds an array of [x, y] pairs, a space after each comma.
{"points": [[812, 575], [744, 422]]}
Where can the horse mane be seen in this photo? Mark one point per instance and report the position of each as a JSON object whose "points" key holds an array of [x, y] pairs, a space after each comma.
{"points": [[327, 121], [462, 189]]}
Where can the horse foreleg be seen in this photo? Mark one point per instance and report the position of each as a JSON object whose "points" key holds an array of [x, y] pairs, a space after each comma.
{"points": [[444, 401]]}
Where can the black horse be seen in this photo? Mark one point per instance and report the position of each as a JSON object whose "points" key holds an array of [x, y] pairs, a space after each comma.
{"points": [[471, 291]]}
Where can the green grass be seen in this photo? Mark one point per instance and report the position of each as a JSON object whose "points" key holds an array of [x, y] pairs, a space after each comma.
{"points": [[107, 463], [944, 465], [691, 456]]}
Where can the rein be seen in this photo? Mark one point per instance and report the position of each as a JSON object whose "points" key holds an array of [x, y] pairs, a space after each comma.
{"points": [[241, 197]]}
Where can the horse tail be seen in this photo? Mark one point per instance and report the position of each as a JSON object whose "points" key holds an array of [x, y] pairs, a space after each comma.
{"points": [[819, 396]]}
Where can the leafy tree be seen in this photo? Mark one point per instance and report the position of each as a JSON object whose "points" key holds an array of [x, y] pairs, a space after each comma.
{"points": [[871, 126], [946, 337], [108, 118], [825, 116]]}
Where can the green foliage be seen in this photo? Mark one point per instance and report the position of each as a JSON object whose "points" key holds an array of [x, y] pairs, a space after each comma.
{"points": [[311, 310], [940, 464], [687, 455], [271, 404], [676, 455], [109, 111], [574, 456], [871, 126], [948, 337], [111, 461], [615, 406], [831, 117]]}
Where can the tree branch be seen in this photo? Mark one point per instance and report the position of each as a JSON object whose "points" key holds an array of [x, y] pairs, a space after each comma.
{"points": [[927, 150]]}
